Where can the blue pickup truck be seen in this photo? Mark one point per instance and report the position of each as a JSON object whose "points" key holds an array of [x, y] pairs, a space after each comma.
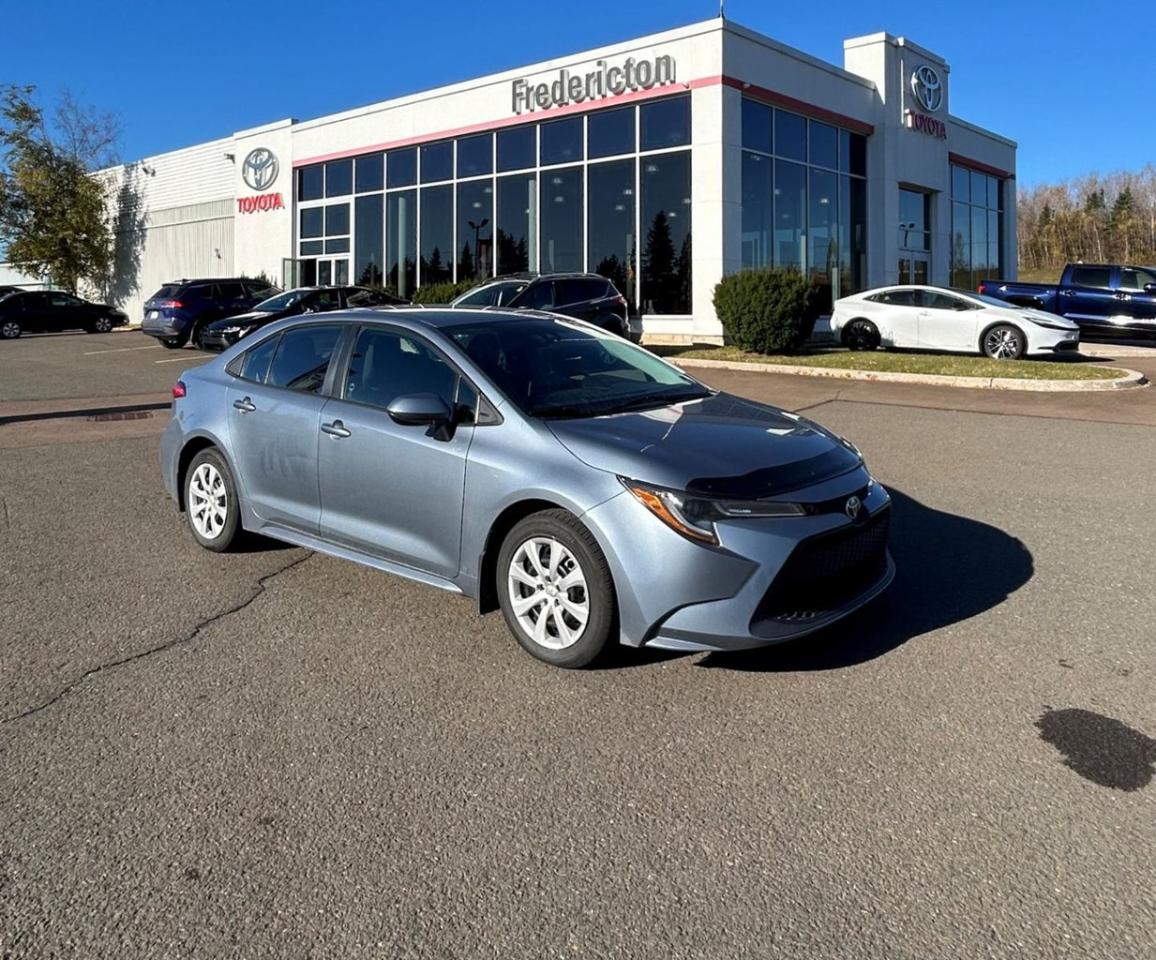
{"points": [[1101, 298]]}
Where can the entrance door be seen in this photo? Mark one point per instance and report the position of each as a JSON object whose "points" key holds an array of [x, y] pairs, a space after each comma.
{"points": [[333, 270], [914, 268]]}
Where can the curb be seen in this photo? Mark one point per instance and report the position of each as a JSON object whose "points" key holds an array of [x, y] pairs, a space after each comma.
{"points": [[23, 411], [1131, 378]]}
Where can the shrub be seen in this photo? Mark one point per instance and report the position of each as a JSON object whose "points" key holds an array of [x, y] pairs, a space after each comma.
{"points": [[767, 311], [442, 292]]}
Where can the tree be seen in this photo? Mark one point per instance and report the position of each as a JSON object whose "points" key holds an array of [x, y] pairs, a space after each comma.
{"points": [[55, 218], [659, 284]]}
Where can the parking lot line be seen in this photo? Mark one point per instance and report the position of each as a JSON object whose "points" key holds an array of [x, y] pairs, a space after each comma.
{"points": [[186, 359], [151, 346]]}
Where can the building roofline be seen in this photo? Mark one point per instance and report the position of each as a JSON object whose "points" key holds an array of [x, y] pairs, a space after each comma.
{"points": [[779, 47], [983, 132], [884, 37]]}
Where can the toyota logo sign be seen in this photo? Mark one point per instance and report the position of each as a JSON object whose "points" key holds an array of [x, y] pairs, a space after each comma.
{"points": [[926, 86], [260, 169]]}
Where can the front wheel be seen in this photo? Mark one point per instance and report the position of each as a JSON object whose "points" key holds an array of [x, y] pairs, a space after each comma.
{"points": [[861, 335], [101, 325], [10, 330], [1004, 342], [211, 502], [555, 589]]}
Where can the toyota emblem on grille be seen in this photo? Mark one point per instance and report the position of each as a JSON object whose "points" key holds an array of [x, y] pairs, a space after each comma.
{"points": [[260, 168], [852, 507]]}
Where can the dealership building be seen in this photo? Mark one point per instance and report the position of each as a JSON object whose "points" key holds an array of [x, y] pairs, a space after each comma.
{"points": [[663, 163]]}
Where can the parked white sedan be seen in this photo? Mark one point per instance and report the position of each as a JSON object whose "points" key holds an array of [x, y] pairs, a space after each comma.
{"points": [[954, 321]]}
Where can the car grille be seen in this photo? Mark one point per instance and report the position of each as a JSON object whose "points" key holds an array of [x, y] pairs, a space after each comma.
{"points": [[826, 572]]}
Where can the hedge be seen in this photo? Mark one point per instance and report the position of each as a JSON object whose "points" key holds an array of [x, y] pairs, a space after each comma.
{"points": [[767, 311]]}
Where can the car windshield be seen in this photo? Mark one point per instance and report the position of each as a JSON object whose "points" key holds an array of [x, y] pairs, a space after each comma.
{"points": [[282, 301], [557, 368], [984, 298]]}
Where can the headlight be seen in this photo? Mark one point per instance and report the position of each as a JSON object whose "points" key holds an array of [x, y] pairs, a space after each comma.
{"points": [[237, 330], [1039, 322], [695, 517]]}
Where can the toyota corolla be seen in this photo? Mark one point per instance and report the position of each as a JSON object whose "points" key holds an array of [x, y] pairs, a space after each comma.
{"points": [[537, 464]]}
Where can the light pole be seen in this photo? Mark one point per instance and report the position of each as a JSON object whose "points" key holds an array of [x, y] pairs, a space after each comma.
{"points": [[477, 228]]}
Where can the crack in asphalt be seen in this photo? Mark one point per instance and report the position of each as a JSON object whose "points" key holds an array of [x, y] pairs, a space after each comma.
{"points": [[160, 648]]}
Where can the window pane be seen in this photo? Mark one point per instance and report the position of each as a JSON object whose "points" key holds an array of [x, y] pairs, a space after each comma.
{"points": [[758, 175], [561, 141], [1091, 276], [256, 364], [311, 248], [911, 213], [993, 192], [790, 214], [401, 241], [790, 136], [337, 246], [369, 172], [336, 219], [857, 190], [978, 188], [310, 182], [824, 144], [517, 219], [979, 239], [823, 255], [960, 244], [475, 218], [610, 223], [666, 252], [858, 155], [386, 365], [368, 245], [475, 155], [339, 178], [303, 357], [437, 234], [312, 222], [401, 167], [561, 214], [437, 161], [960, 183], [610, 132], [665, 123], [517, 148], [757, 118]]}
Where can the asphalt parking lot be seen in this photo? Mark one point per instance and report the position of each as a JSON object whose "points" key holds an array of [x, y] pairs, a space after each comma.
{"points": [[280, 754]]}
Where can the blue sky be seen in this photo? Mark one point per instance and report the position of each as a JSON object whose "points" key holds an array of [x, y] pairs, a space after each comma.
{"points": [[178, 73]]}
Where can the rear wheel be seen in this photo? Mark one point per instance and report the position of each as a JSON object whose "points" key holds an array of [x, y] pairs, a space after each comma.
{"points": [[211, 502], [1004, 342], [10, 330], [861, 334], [555, 589], [101, 325]]}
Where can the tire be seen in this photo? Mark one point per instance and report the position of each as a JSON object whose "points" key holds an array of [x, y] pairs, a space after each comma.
{"points": [[1004, 342], [211, 506], [195, 338], [552, 629], [613, 324], [10, 330], [861, 334], [100, 325], [175, 343]]}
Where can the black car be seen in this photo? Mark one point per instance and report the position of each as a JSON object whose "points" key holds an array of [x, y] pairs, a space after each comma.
{"points": [[584, 296], [51, 310], [180, 311], [224, 333]]}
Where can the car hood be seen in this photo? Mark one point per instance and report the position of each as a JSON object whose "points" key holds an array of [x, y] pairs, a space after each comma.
{"points": [[1052, 319], [721, 446], [253, 319]]}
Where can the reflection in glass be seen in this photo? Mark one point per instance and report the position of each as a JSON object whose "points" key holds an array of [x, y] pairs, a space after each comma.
{"points": [[517, 148], [790, 136], [824, 253], [610, 223], [475, 244], [437, 234], [666, 249], [339, 178], [758, 197], [475, 155], [561, 216], [336, 219], [610, 132], [561, 140], [757, 126], [790, 214], [401, 167], [960, 246], [824, 144], [310, 182], [368, 241], [401, 241], [437, 161], [517, 223], [664, 123], [312, 222], [370, 172]]}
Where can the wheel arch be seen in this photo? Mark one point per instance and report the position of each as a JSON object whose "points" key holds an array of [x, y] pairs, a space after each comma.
{"points": [[987, 328], [855, 319], [192, 446], [502, 524]]}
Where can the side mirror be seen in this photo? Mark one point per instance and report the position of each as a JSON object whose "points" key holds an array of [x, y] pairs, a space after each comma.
{"points": [[420, 410], [1150, 288]]}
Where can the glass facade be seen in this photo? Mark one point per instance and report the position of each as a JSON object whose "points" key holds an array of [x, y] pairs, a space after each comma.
{"points": [[976, 227], [607, 192], [804, 197]]}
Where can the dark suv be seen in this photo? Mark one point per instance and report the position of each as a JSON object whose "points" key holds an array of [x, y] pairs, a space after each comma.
{"points": [[179, 311], [584, 296]]}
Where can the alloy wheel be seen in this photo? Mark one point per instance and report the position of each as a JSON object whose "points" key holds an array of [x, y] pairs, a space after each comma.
{"points": [[10, 330], [1002, 343], [548, 593], [208, 501], [102, 325]]}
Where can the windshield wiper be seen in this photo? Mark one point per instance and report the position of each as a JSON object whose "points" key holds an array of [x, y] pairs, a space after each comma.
{"points": [[656, 400]]}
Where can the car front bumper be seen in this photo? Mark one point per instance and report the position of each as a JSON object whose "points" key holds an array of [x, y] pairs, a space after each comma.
{"points": [[218, 340], [769, 580]]}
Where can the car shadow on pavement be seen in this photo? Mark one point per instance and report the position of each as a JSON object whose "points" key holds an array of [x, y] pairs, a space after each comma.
{"points": [[948, 569]]}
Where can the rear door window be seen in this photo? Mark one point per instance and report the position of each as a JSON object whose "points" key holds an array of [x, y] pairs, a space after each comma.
{"points": [[578, 290], [168, 292], [1134, 278], [198, 291], [302, 358], [231, 290], [540, 296], [896, 298], [387, 364], [1091, 276], [255, 365]]}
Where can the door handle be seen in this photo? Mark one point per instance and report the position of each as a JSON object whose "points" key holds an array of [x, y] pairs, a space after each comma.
{"points": [[245, 405], [336, 429], [1067, 293]]}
